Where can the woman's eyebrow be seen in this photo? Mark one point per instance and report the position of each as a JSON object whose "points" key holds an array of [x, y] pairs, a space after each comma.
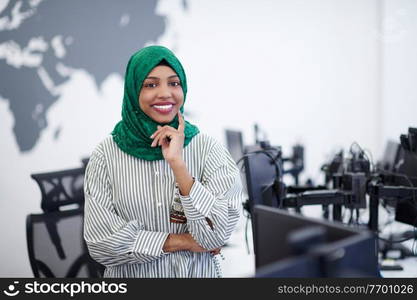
{"points": [[157, 78]]}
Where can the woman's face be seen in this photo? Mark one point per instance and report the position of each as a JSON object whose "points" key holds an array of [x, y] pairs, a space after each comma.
{"points": [[161, 96]]}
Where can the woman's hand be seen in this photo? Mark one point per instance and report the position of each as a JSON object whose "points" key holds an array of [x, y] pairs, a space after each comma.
{"points": [[171, 141], [184, 241]]}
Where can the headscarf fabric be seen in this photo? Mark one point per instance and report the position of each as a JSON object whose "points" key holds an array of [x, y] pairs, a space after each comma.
{"points": [[132, 133]]}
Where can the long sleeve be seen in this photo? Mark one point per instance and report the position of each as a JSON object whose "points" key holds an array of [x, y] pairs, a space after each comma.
{"points": [[217, 197], [112, 240]]}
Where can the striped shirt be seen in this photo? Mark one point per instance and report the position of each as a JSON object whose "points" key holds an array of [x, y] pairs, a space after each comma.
{"points": [[128, 202]]}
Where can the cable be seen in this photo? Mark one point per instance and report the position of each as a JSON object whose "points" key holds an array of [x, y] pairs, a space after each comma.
{"points": [[397, 241], [247, 215], [264, 151], [408, 181], [357, 216], [278, 173], [371, 160], [275, 160], [414, 246], [407, 177], [246, 233], [349, 211], [354, 144]]}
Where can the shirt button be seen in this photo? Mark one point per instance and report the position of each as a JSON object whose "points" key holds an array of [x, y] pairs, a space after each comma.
{"points": [[159, 203], [157, 173]]}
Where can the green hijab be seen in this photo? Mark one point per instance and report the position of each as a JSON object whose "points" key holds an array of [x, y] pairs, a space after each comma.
{"points": [[132, 133]]}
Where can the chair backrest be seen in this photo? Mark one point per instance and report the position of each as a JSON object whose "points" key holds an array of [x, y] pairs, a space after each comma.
{"points": [[56, 245], [61, 188], [85, 161]]}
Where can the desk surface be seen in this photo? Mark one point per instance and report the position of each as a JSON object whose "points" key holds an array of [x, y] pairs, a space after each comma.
{"points": [[409, 265]]}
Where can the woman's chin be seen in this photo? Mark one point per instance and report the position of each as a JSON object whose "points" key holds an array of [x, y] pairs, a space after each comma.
{"points": [[164, 120]]}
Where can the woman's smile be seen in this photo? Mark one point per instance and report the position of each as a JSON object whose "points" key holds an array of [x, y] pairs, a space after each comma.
{"points": [[164, 108]]}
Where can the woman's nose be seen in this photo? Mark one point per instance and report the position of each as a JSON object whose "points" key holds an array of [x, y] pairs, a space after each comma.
{"points": [[164, 92]]}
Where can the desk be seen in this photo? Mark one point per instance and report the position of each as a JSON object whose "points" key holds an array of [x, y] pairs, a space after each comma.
{"points": [[410, 269]]}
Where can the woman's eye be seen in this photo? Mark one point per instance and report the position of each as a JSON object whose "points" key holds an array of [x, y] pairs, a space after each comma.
{"points": [[174, 83], [150, 85]]}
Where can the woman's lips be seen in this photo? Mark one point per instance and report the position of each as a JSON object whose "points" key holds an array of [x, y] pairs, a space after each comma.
{"points": [[164, 109]]}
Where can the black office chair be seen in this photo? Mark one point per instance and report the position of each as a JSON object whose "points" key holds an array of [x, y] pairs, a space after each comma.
{"points": [[55, 238], [61, 188], [56, 246]]}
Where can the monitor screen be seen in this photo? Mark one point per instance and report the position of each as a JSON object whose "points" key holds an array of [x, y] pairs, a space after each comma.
{"points": [[234, 142], [406, 209], [407, 165], [342, 251], [261, 173], [390, 156]]}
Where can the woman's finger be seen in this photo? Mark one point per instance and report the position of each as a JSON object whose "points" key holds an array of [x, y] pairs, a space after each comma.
{"points": [[159, 128], [167, 135], [181, 122], [156, 138], [164, 132], [155, 141], [215, 251]]}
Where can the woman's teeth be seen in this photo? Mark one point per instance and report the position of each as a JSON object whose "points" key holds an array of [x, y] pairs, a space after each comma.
{"points": [[163, 107]]}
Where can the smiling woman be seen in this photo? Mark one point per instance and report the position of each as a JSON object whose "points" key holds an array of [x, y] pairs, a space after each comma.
{"points": [[161, 198]]}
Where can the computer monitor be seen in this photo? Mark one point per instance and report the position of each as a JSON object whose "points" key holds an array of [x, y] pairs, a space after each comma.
{"points": [[406, 209], [401, 165], [407, 166], [234, 142], [261, 173], [338, 251], [390, 156]]}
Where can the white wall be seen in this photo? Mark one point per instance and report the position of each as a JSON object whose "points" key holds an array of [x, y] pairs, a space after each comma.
{"points": [[399, 44], [304, 70], [307, 71]]}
